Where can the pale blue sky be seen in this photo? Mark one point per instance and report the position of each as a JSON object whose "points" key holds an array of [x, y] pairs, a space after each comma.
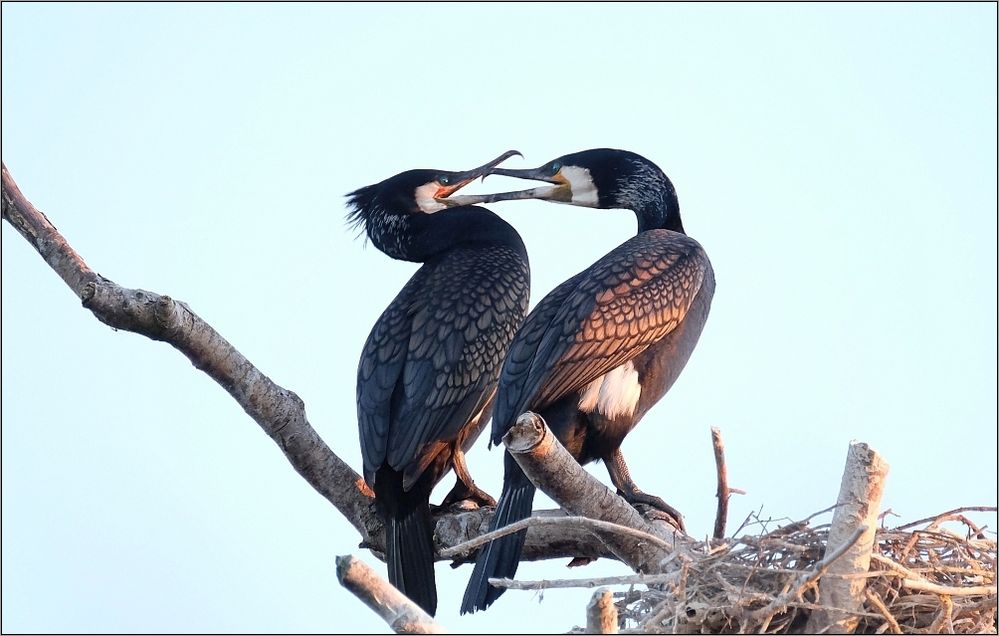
{"points": [[837, 162]]}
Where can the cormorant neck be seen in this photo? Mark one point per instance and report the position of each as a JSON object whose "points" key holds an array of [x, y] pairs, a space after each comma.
{"points": [[430, 235], [662, 212]]}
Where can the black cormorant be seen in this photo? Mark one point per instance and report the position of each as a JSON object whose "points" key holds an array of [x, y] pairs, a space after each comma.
{"points": [[428, 371], [604, 346]]}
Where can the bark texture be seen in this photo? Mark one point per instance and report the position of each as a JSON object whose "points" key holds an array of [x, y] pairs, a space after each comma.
{"points": [[554, 471], [402, 615], [601, 613], [856, 513]]}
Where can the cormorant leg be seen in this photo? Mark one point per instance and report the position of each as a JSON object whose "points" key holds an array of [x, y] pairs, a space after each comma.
{"points": [[621, 477], [465, 488]]}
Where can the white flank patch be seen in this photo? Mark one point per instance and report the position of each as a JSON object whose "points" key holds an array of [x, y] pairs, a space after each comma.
{"points": [[425, 198], [613, 394], [581, 183]]}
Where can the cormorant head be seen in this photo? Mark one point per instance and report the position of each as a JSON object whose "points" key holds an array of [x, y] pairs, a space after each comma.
{"points": [[383, 208], [599, 178]]}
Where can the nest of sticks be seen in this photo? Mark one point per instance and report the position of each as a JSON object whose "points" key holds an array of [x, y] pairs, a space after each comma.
{"points": [[936, 575]]}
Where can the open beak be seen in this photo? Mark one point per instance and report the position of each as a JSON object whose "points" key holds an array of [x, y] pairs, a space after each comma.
{"points": [[459, 180], [560, 192]]}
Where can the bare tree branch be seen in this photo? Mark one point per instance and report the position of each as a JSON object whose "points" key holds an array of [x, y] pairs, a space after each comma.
{"points": [[856, 512], [278, 411], [562, 522], [543, 541], [946, 514], [916, 581], [601, 613], [403, 615], [553, 470], [890, 622], [551, 584], [44, 237], [721, 517]]}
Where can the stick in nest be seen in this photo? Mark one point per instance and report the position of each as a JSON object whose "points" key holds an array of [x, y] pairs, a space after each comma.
{"points": [[723, 493]]}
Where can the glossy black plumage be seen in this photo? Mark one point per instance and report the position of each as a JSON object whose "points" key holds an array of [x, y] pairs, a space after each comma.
{"points": [[603, 347], [432, 360], [428, 370]]}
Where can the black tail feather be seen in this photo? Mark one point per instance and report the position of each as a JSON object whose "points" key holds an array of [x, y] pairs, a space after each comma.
{"points": [[409, 540], [500, 558]]}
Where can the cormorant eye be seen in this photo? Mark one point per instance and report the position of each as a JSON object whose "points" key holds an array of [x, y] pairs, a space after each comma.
{"points": [[444, 179], [555, 167]]}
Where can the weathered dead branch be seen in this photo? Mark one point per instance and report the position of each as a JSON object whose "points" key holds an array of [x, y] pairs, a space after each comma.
{"points": [[554, 471], [562, 522], [278, 411], [724, 492], [601, 613], [856, 512], [551, 584], [402, 615]]}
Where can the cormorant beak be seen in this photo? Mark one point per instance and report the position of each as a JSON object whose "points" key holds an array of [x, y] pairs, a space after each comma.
{"points": [[458, 180], [561, 191]]}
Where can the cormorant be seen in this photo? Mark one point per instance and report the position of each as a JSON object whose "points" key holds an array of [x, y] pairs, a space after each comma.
{"points": [[428, 371], [604, 346]]}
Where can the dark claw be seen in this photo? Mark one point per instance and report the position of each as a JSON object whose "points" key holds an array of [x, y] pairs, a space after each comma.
{"points": [[639, 497], [462, 493]]}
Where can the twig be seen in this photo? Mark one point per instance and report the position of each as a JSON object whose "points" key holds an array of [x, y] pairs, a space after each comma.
{"points": [[551, 584], [575, 522], [979, 533], [915, 581], [601, 614], [944, 514], [402, 615], [723, 493], [943, 623], [876, 601], [659, 613], [746, 521], [807, 519]]}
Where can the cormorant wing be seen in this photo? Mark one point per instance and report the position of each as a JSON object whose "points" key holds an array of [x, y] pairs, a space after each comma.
{"points": [[601, 318], [449, 369], [520, 359], [382, 360]]}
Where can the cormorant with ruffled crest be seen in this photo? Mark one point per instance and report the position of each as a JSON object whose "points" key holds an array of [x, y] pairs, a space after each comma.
{"points": [[428, 371]]}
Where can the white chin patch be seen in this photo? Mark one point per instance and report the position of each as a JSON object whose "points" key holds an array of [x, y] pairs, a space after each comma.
{"points": [[613, 394], [425, 198], [583, 191]]}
